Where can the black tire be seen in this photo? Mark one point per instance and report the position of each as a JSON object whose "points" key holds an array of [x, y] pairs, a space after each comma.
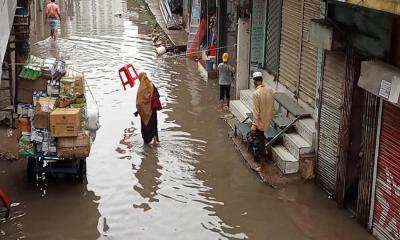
{"points": [[31, 169], [82, 170]]}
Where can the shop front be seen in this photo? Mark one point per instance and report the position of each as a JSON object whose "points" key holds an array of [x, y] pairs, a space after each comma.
{"points": [[348, 117], [383, 80]]}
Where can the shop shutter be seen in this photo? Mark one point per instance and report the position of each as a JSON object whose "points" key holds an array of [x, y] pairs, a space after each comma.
{"points": [[386, 220], [330, 116], [273, 36], [308, 60], [290, 44], [369, 134]]}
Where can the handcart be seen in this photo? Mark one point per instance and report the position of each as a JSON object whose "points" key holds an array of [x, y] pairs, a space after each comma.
{"points": [[75, 168]]}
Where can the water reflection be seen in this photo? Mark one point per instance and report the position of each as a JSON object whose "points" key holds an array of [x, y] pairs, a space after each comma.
{"points": [[70, 8], [148, 175]]}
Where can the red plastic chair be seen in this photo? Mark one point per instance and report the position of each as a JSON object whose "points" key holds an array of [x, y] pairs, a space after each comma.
{"points": [[128, 75], [6, 203]]}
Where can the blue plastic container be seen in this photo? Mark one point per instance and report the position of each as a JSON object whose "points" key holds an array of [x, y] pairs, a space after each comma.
{"points": [[209, 65]]}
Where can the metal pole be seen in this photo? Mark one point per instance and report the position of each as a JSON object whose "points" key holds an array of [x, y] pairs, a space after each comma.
{"points": [[208, 30], [374, 176]]}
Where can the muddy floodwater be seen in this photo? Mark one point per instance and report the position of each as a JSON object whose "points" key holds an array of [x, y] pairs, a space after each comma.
{"points": [[193, 186]]}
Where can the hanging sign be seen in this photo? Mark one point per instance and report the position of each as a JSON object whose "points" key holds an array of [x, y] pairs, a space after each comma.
{"points": [[258, 30]]}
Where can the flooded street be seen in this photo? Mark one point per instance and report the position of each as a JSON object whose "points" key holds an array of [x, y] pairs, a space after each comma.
{"points": [[193, 186]]}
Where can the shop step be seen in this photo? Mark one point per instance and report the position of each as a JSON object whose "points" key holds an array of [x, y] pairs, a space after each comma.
{"points": [[246, 96], [296, 145], [239, 110], [285, 161], [306, 129]]}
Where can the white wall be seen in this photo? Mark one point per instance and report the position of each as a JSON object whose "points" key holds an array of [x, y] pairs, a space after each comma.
{"points": [[7, 12], [243, 55]]}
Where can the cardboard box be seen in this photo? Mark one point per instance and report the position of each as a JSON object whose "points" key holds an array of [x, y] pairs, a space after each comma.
{"points": [[67, 87], [53, 88], [24, 125], [65, 101], [24, 96], [37, 135], [74, 147], [79, 100], [79, 80], [65, 122], [25, 89], [25, 110], [44, 107], [79, 86]]}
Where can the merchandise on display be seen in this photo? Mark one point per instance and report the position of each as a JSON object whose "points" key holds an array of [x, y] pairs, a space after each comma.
{"points": [[52, 110]]}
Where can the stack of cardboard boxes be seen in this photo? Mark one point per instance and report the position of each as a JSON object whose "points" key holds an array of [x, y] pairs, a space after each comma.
{"points": [[52, 111]]}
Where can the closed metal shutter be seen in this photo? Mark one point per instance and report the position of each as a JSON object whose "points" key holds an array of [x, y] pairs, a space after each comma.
{"points": [[369, 135], [308, 61], [330, 116], [290, 44], [386, 220], [273, 36]]}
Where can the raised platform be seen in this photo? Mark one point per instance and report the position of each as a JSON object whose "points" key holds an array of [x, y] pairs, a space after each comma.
{"points": [[294, 150], [177, 37]]}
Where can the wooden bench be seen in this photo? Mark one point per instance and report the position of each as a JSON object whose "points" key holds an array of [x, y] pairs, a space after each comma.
{"points": [[270, 133], [281, 121], [289, 104], [244, 129]]}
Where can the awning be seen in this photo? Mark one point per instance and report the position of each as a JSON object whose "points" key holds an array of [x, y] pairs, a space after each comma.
{"points": [[391, 6], [381, 79]]}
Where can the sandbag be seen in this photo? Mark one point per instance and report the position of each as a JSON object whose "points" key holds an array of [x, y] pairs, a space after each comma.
{"points": [[92, 111]]}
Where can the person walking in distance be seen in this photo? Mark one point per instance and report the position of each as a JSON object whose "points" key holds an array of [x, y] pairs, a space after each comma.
{"points": [[225, 73], [263, 112], [53, 14]]}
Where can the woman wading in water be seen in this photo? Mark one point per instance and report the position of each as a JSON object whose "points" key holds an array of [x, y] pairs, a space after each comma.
{"points": [[148, 115]]}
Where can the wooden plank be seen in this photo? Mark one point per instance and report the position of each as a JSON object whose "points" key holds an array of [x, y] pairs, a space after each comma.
{"points": [[289, 104]]}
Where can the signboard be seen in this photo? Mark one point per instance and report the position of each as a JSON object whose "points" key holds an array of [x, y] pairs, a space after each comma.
{"points": [[196, 8], [384, 90], [258, 31]]}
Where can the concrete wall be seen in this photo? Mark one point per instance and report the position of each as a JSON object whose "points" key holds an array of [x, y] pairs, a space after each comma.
{"points": [[391, 6], [368, 30], [243, 54]]}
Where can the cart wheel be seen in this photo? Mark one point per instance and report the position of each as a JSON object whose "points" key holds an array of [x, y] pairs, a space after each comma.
{"points": [[30, 169], [82, 170]]}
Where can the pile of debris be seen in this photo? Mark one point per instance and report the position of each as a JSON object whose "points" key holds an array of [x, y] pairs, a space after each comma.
{"points": [[161, 41], [7, 157]]}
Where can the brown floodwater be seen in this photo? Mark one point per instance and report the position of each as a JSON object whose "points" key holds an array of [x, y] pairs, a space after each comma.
{"points": [[193, 186]]}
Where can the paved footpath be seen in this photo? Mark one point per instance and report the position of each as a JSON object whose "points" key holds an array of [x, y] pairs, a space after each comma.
{"points": [[177, 37]]}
